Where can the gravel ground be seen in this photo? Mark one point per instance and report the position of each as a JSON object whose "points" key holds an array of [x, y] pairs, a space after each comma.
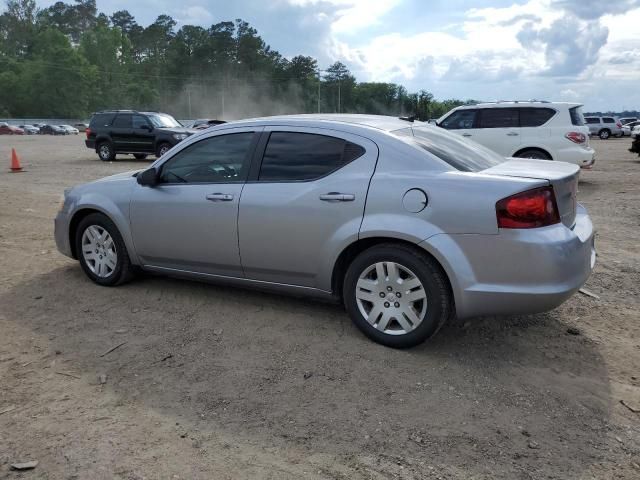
{"points": [[214, 382]]}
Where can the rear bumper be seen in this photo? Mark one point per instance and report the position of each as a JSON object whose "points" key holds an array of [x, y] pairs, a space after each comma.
{"points": [[517, 271], [584, 157]]}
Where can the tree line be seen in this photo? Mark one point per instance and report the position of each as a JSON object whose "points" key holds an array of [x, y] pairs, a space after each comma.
{"points": [[69, 60]]}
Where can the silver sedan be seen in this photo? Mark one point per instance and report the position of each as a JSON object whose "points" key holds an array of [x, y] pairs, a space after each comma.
{"points": [[403, 222]]}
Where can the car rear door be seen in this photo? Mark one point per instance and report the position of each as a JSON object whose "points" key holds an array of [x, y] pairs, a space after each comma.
{"points": [[121, 132], [534, 131], [188, 222], [499, 129], [142, 136], [303, 203]]}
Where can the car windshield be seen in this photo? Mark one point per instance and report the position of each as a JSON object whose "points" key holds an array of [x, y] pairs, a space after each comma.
{"points": [[163, 120], [458, 152]]}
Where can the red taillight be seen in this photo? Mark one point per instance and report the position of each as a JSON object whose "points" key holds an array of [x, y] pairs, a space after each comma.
{"points": [[530, 209], [88, 132], [619, 125], [576, 137]]}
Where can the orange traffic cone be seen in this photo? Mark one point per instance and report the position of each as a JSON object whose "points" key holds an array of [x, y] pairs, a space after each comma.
{"points": [[15, 161]]}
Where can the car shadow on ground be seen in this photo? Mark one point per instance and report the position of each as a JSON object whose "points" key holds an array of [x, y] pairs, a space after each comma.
{"points": [[280, 370]]}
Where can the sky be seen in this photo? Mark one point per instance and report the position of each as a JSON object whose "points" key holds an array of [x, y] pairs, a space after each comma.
{"points": [[560, 50]]}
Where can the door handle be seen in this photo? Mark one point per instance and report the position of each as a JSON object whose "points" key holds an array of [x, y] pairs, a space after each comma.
{"points": [[220, 197], [466, 135], [337, 197], [512, 134]]}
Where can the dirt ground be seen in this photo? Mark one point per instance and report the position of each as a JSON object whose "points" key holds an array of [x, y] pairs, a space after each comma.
{"points": [[220, 383]]}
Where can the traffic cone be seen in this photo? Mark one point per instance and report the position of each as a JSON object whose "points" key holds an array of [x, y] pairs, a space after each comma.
{"points": [[15, 161]]}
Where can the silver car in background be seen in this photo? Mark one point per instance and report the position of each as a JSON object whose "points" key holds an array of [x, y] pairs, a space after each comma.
{"points": [[404, 222]]}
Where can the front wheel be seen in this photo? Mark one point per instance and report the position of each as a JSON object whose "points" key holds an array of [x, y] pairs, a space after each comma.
{"points": [[396, 295], [101, 251]]}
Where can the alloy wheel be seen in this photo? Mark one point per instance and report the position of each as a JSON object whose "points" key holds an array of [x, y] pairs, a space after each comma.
{"points": [[99, 251], [105, 152], [391, 298]]}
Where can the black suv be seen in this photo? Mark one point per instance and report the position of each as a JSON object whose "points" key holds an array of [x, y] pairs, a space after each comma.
{"points": [[128, 131]]}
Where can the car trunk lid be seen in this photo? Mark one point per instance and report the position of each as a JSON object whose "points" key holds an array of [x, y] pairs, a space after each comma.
{"points": [[562, 176]]}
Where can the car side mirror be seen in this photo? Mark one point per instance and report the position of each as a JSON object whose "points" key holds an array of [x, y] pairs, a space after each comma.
{"points": [[148, 177]]}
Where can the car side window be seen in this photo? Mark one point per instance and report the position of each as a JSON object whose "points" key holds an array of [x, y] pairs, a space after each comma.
{"points": [[459, 120], [499, 118], [293, 156], [220, 159], [591, 120], [535, 117], [122, 121], [608, 120], [139, 121]]}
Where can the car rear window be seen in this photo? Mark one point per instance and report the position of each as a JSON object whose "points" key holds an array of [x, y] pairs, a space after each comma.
{"points": [[576, 116], [293, 156], [451, 148], [535, 117], [499, 118], [102, 119]]}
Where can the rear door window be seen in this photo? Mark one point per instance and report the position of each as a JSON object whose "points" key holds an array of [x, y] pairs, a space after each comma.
{"points": [[122, 121], [608, 120], [535, 117], [499, 118], [459, 120], [295, 156]]}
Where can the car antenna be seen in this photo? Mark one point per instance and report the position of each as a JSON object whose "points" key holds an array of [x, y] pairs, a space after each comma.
{"points": [[410, 118]]}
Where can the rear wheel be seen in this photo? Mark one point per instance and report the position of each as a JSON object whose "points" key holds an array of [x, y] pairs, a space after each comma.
{"points": [[396, 295], [101, 251], [106, 152], [533, 153], [140, 156], [604, 134]]}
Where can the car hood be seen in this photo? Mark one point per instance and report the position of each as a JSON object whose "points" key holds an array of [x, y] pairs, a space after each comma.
{"points": [[118, 176], [188, 131]]}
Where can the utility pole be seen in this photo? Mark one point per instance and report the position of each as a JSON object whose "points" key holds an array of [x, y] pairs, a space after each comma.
{"points": [[189, 99], [319, 91], [339, 96]]}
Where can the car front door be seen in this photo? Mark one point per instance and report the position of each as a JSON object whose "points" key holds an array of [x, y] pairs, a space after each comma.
{"points": [[188, 222], [121, 132], [304, 201], [462, 122], [142, 135]]}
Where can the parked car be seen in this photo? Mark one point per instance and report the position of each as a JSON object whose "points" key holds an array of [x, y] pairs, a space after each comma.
{"points": [[139, 133], [30, 129], [604, 127], [6, 129], [69, 129], [52, 130], [627, 127], [402, 221], [206, 123], [635, 140], [82, 127], [540, 130], [39, 126]]}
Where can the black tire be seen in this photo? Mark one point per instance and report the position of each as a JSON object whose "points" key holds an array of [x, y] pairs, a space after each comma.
{"points": [[162, 149], [123, 270], [533, 153], [140, 156], [106, 151], [604, 134], [432, 278]]}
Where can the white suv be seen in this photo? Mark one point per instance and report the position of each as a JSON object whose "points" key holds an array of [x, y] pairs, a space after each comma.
{"points": [[542, 130]]}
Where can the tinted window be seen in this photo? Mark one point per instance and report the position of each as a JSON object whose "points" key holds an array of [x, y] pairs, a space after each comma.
{"points": [[608, 120], [139, 121], [452, 149], [102, 119], [592, 120], [122, 121], [293, 156], [224, 158], [576, 116], [535, 117], [163, 120], [458, 120], [499, 118]]}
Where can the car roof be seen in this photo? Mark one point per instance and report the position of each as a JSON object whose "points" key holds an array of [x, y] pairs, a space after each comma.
{"points": [[379, 122], [519, 103]]}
